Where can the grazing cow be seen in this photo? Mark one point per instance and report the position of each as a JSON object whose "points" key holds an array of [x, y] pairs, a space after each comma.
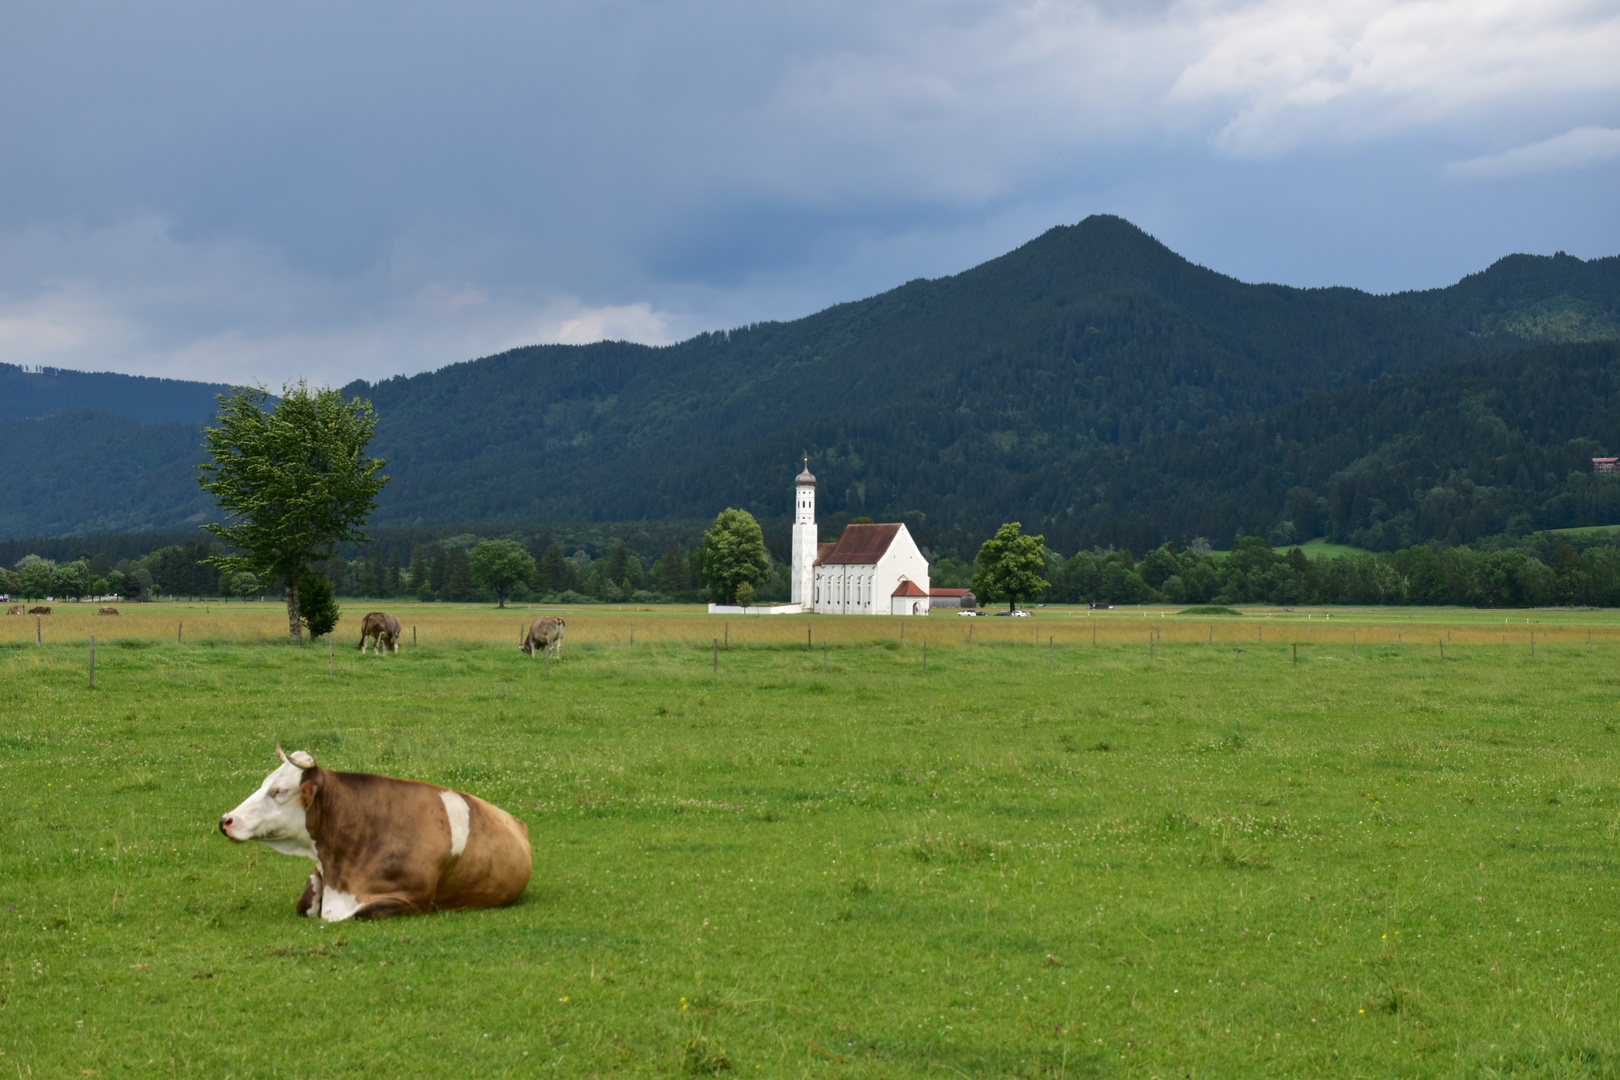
{"points": [[107, 611], [17, 609], [383, 846], [545, 633], [377, 626], [42, 609]]}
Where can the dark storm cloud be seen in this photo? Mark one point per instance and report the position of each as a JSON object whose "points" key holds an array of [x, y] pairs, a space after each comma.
{"points": [[259, 191]]}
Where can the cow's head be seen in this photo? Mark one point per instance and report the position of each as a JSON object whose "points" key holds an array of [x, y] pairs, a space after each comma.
{"points": [[275, 814]]}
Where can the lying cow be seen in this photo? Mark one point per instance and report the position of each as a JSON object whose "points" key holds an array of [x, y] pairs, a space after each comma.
{"points": [[17, 609], [42, 609], [377, 626], [107, 611], [383, 846], [545, 634]]}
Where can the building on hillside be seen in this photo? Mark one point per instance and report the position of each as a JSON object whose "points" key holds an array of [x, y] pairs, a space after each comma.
{"points": [[952, 598], [869, 570], [1606, 464]]}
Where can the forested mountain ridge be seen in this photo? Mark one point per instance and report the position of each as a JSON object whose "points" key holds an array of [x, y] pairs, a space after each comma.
{"points": [[1531, 298], [1012, 390], [1503, 444], [49, 391]]}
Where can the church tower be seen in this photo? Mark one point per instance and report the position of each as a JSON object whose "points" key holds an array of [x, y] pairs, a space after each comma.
{"points": [[804, 537]]}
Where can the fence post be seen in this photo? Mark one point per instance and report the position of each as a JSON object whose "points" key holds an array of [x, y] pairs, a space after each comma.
{"points": [[824, 659], [413, 637], [1354, 647], [1211, 640], [728, 635], [1051, 655], [180, 633], [717, 656], [1296, 654], [1532, 643], [36, 629], [1235, 655], [925, 656], [809, 643], [331, 655], [92, 661], [1150, 648], [902, 631], [1442, 650], [632, 633]]}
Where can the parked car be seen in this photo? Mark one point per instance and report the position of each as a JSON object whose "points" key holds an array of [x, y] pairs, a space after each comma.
{"points": [[1018, 614], [968, 613]]}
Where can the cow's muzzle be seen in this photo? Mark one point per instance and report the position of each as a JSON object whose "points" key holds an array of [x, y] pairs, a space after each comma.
{"points": [[225, 824]]}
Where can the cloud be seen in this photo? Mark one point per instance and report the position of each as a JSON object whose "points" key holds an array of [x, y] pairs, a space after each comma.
{"points": [[1573, 149], [225, 191], [1292, 71]]}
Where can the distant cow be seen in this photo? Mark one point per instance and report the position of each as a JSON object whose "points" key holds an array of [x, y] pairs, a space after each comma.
{"points": [[377, 626], [42, 609], [383, 846], [545, 633], [17, 609], [107, 611]]}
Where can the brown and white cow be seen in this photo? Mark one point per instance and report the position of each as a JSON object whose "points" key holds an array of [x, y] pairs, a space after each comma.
{"points": [[17, 609], [41, 609], [377, 626], [545, 633], [383, 846], [107, 611]]}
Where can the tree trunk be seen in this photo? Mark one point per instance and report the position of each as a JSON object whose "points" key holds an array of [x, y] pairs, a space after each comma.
{"points": [[295, 625], [500, 599]]}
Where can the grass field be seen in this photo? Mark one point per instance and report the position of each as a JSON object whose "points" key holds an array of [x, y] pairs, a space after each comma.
{"points": [[1042, 856]]}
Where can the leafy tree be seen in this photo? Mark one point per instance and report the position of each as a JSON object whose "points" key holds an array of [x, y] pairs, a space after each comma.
{"points": [[292, 482], [498, 565], [1010, 566], [745, 594], [734, 552], [34, 578], [71, 579], [316, 603], [10, 583], [245, 583]]}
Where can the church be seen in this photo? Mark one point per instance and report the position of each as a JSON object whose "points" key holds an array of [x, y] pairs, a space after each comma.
{"points": [[869, 570]]}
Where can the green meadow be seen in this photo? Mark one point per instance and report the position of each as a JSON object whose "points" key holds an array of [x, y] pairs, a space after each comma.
{"points": [[1123, 845]]}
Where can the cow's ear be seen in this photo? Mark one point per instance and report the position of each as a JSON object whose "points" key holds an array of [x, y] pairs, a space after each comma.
{"points": [[307, 792]]}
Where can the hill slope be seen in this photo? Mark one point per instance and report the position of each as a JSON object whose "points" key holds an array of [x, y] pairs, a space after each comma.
{"points": [[25, 394], [1011, 390]]}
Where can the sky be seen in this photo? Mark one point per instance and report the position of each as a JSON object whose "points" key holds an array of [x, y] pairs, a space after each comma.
{"points": [[257, 193]]}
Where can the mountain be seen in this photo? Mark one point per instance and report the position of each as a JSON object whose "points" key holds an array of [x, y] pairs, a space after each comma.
{"points": [[1020, 389], [48, 391], [1458, 454]]}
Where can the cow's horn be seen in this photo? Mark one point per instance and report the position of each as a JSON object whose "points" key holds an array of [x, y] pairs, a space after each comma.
{"points": [[302, 759], [280, 753]]}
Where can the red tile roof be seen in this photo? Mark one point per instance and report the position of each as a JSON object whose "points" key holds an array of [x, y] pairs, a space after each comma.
{"points": [[947, 592], [908, 588], [823, 549], [861, 545]]}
